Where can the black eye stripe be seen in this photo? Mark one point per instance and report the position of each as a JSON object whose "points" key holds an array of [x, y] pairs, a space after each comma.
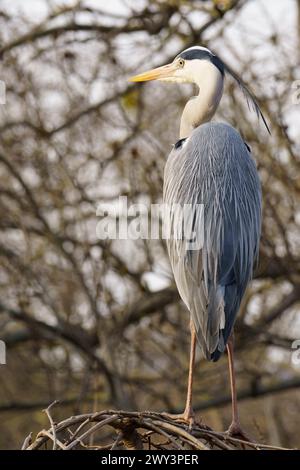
{"points": [[195, 54], [201, 54]]}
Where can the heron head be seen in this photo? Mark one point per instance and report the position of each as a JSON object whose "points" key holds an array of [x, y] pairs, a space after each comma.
{"points": [[200, 66], [187, 67]]}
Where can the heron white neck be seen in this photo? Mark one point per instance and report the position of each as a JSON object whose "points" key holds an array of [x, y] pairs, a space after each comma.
{"points": [[200, 109]]}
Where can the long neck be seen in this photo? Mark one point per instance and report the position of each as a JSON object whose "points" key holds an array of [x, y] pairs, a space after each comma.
{"points": [[201, 108]]}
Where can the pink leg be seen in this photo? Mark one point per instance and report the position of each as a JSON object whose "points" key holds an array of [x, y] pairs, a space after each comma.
{"points": [[235, 429], [188, 414]]}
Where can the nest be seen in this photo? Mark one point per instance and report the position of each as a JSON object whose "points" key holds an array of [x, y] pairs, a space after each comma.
{"points": [[124, 430]]}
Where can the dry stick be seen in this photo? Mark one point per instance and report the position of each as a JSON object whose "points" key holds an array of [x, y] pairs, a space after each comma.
{"points": [[95, 447], [74, 434], [91, 430], [47, 411], [183, 433], [27, 441], [87, 446], [215, 441], [147, 439], [213, 437], [54, 439], [40, 439], [223, 437], [222, 445], [234, 440], [258, 446], [164, 433], [117, 441]]}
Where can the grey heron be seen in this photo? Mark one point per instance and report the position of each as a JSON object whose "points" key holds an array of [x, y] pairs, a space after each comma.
{"points": [[211, 165]]}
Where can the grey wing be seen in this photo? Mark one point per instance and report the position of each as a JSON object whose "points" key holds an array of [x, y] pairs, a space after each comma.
{"points": [[213, 174]]}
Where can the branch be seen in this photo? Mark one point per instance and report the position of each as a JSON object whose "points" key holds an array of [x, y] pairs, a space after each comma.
{"points": [[286, 303], [136, 430], [75, 335], [158, 300], [134, 24]]}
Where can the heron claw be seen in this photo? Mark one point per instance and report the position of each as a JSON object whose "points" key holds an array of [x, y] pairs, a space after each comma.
{"points": [[236, 431], [187, 417]]}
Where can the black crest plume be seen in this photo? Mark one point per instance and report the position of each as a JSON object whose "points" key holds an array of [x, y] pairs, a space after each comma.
{"points": [[250, 98]]}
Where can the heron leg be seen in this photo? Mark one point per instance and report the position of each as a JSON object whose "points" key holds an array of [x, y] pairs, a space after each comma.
{"points": [[188, 414], [234, 429]]}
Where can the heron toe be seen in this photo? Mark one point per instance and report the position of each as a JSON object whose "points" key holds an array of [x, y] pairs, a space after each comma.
{"points": [[236, 431]]}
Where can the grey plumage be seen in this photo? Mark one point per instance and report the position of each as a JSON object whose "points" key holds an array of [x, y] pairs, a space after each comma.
{"points": [[213, 167]]}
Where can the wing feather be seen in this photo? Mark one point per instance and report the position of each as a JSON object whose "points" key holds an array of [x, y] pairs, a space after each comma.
{"points": [[215, 175]]}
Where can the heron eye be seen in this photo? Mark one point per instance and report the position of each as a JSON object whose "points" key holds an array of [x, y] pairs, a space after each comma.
{"points": [[181, 62]]}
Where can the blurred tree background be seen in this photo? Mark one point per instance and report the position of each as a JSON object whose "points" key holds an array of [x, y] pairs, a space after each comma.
{"points": [[96, 323]]}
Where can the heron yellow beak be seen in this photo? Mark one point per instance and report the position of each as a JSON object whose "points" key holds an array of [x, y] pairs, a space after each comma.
{"points": [[160, 73]]}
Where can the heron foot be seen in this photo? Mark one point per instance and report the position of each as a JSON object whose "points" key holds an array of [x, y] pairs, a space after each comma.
{"points": [[187, 417], [236, 431]]}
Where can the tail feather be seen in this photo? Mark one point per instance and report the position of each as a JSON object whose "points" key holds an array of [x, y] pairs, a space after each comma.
{"points": [[231, 305], [209, 320]]}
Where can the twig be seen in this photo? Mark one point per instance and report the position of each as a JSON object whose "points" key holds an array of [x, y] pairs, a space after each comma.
{"points": [[116, 443], [90, 431], [48, 434], [165, 434], [171, 427], [27, 441], [47, 411]]}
